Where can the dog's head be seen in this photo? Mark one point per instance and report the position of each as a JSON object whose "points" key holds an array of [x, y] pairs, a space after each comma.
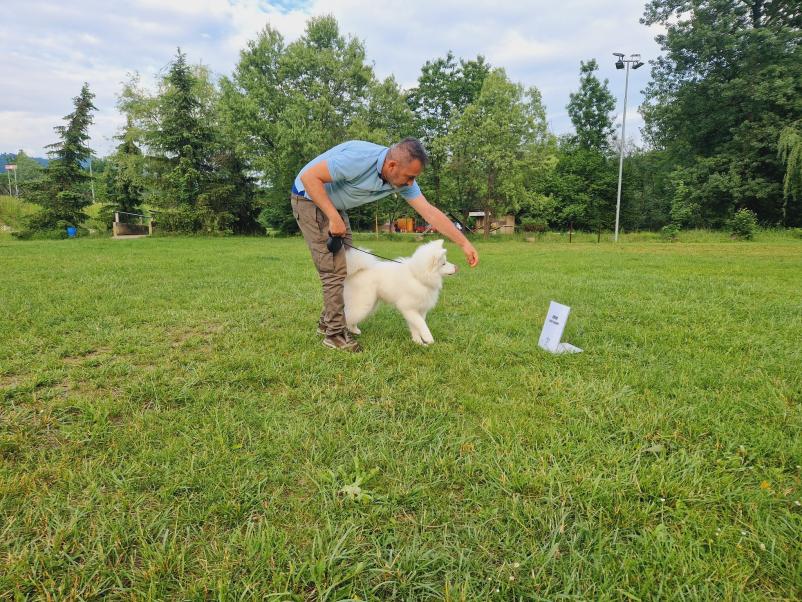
{"points": [[431, 258]]}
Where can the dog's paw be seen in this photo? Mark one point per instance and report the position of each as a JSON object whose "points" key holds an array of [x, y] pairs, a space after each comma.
{"points": [[354, 330]]}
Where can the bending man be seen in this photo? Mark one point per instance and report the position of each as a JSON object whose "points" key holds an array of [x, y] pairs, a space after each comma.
{"points": [[347, 176]]}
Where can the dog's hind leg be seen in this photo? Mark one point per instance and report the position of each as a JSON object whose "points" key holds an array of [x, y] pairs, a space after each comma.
{"points": [[358, 310], [418, 327]]}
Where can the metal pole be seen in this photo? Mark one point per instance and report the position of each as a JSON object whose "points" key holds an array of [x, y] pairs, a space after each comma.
{"points": [[10, 190], [91, 180], [621, 160], [16, 184]]}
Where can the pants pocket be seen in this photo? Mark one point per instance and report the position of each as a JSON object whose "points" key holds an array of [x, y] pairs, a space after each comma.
{"points": [[324, 261]]}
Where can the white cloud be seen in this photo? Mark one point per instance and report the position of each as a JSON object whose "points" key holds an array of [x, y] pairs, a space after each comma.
{"points": [[51, 47], [515, 49], [27, 131]]}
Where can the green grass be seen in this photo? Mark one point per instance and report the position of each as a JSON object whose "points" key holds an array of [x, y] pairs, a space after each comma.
{"points": [[172, 427]]}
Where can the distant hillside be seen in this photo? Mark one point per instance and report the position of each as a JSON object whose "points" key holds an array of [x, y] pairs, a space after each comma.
{"points": [[13, 211], [9, 158]]}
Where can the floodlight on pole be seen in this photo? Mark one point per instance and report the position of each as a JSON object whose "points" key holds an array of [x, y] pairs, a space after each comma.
{"points": [[9, 168], [635, 62]]}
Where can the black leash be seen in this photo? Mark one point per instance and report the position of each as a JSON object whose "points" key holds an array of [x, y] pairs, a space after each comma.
{"points": [[369, 253], [456, 219], [335, 243]]}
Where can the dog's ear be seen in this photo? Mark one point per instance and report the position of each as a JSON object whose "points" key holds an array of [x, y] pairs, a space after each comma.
{"points": [[438, 242]]}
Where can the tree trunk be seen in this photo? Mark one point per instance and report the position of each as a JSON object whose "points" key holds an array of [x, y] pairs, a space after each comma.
{"points": [[491, 181]]}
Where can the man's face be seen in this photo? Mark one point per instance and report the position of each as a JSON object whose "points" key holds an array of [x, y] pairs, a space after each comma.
{"points": [[402, 173]]}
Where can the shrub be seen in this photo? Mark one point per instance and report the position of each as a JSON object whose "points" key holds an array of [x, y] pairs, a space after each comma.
{"points": [[744, 224], [183, 220], [530, 224], [670, 232]]}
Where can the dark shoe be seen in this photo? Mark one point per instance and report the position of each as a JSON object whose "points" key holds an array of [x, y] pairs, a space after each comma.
{"points": [[342, 341], [321, 328]]}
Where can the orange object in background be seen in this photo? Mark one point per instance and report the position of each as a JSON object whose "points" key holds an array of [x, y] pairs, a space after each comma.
{"points": [[405, 224]]}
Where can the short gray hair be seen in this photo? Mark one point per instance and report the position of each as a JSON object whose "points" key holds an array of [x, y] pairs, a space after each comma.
{"points": [[410, 149]]}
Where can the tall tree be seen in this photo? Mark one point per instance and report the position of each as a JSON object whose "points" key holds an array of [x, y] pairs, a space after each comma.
{"points": [[790, 150], [196, 175], [590, 109], [493, 142], [583, 183], [729, 81], [445, 88], [184, 136], [288, 103], [123, 180], [63, 192], [387, 118]]}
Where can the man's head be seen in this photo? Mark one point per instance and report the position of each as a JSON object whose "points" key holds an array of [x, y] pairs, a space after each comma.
{"points": [[404, 162]]}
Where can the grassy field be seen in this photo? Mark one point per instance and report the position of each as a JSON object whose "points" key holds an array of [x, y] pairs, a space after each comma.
{"points": [[172, 428]]}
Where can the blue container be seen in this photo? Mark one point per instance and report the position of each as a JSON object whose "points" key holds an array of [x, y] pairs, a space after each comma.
{"points": [[71, 231]]}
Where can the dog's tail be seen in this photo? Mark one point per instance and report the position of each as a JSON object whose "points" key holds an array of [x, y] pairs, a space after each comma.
{"points": [[357, 261]]}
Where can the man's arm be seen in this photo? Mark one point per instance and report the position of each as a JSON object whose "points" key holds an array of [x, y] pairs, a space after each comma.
{"points": [[313, 180], [441, 222]]}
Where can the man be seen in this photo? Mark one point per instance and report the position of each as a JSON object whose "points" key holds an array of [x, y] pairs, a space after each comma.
{"points": [[347, 176]]}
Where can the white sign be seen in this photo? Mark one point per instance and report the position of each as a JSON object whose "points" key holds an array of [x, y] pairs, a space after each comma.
{"points": [[553, 330]]}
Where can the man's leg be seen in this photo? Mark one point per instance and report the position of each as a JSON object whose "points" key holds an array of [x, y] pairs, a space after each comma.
{"points": [[331, 268]]}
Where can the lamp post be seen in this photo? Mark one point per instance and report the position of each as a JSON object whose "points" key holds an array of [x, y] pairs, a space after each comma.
{"points": [[635, 62], [91, 179]]}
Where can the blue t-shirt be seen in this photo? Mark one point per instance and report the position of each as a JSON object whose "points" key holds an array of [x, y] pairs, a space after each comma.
{"points": [[355, 167]]}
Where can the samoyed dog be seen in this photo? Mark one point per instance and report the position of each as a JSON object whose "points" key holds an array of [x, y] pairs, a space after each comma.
{"points": [[412, 285]]}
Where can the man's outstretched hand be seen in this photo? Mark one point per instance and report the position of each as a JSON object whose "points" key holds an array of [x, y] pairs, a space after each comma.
{"points": [[471, 256]]}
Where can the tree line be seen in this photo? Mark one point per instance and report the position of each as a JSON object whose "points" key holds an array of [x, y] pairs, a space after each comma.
{"points": [[723, 115]]}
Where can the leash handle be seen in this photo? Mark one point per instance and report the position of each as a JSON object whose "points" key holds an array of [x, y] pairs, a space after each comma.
{"points": [[334, 243]]}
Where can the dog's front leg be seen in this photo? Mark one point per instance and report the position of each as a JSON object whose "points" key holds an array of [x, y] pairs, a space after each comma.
{"points": [[418, 328]]}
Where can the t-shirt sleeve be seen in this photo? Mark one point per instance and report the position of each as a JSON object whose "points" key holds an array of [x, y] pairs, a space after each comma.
{"points": [[348, 165], [410, 193]]}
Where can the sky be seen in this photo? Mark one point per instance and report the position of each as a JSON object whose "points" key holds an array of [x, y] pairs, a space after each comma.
{"points": [[49, 48]]}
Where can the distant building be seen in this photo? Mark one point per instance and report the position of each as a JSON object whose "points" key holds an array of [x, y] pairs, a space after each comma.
{"points": [[503, 225]]}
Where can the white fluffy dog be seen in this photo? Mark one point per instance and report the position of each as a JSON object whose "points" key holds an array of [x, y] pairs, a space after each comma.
{"points": [[413, 286]]}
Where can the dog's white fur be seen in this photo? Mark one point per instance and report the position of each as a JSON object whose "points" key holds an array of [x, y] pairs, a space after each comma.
{"points": [[412, 286]]}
